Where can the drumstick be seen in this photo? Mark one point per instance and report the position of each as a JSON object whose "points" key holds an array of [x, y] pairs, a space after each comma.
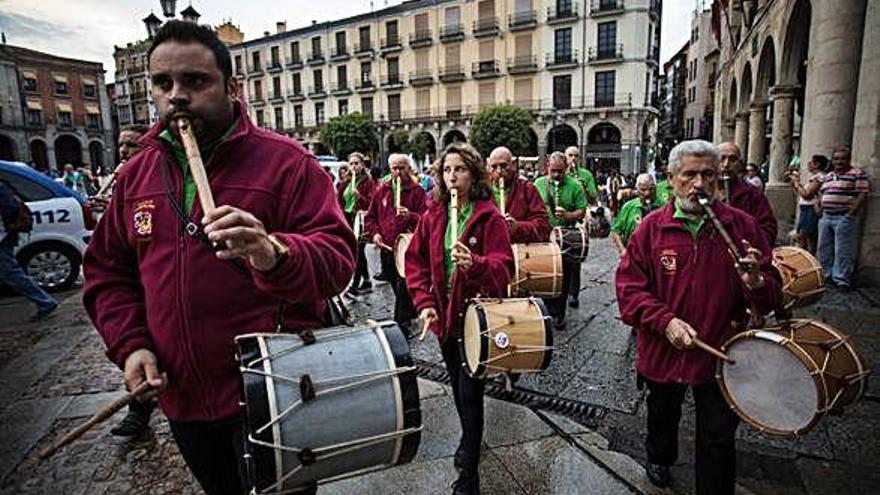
{"points": [[104, 413], [711, 350], [501, 190], [454, 206], [384, 246], [397, 193], [196, 167]]}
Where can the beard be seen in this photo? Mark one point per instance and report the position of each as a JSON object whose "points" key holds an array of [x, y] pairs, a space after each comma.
{"points": [[688, 205]]}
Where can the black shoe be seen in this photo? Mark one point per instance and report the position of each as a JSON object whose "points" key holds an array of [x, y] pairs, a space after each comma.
{"points": [[558, 324], [353, 291], [658, 475], [365, 287], [382, 277], [135, 423], [574, 302], [458, 458], [43, 314], [467, 484]]}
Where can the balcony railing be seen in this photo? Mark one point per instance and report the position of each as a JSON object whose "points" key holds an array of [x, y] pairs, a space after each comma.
{"points": [[522, 20], [421, 77], [391, 80], [566, 14], [452, 73], [274, 67], [364, 49], [420, 38], [255, 69], [316, 58], [606, 7], [365, 84], [294, 62], [562, 60], [256, 98], [340, 53], [391, 43], [276, 96], [606, 54], [317, 91], [451, 32], [486, 68], [487, 26], [522, 64], [339, 88], [295, 94]]}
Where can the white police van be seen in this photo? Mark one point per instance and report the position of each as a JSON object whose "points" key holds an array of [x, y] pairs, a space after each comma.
{"points": [[52, 253]]}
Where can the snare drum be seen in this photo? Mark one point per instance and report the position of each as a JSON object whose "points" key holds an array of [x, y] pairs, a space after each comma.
{"points": [[786, 378], [572, 241], [538, 270], [359, 227], [506, 336], [340, 404], [400, 248], [803, 282]]}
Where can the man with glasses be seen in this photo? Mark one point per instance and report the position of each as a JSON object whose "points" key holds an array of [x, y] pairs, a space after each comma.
{"points": [[740, 194], [524, 210]]}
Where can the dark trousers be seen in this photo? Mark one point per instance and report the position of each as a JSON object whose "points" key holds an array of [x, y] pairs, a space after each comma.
{"points": [[556, 305], [715, 454], [404, 311], [389, 269], [574, 289], [361, 274], [468, 395], [214, 452]]}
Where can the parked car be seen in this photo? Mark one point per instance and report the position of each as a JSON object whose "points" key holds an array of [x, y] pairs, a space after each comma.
{"points": [[63, 222]]}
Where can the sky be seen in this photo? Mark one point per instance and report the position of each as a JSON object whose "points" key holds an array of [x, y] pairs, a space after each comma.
{"points": [[88, 29]]}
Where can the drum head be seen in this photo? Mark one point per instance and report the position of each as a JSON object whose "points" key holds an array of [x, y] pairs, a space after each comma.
{"points": [[474, 350], [769, 386]]}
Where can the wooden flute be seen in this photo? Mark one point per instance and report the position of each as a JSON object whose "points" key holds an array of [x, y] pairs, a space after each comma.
{"points": [[503, 198], [196, 167]]}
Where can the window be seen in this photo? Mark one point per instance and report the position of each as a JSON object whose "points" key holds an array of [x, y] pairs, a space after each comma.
{"points": [[297, 116], [65, 119], [607, 39], [453, 101], [343, 107], [318, 79], [487, 94], [562, 45], [342, 77], [255, 57], [29, 84], [276, 87], [562, 92], [238, 64], [92, 121], [258, 90], [340, 43], [366, 74], [393, 70], [274, 54], [367, 106], [452, 19], [563, 8], [391, 32], [423, 103], [260, 118], [90, 91], [279, 118], [421, 26], [393, 107], [319, 113], [34, 118], [297, 84], [605, 88], [61, 87], [522, 92], [316, 47], [28, 189], [294, 52], [364, 37]]}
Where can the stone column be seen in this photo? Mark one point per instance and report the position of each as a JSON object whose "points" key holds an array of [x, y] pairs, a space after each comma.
{"points": [[778, 190], [728, 130], [757, 114], [741, 132], [832, 75], [866, 145]]}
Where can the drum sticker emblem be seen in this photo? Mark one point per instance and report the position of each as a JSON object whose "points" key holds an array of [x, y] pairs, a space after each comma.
{"points": [[668, 260], [143, 217], [502, 341]]}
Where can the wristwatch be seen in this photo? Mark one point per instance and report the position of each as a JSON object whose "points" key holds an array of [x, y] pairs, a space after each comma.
{"points": [[281, 251]]}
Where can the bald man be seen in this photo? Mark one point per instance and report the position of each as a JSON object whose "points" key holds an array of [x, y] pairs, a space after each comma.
{"points": [[581, 173], [524, 210], [740, 194]]}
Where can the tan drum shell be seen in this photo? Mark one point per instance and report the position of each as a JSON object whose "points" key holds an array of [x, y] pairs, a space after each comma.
{"points": [[527, 324], [400, 248], [803, 282], [836, 366], [538, 270], [570, 249]]}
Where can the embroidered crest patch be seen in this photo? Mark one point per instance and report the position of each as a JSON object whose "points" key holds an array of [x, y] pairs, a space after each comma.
{"points": [[143, 222], [669, 260]]}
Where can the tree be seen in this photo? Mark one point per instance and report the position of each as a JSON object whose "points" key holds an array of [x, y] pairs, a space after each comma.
{"points": [[419, 146], [348, 133], [501, 125], [398, 141]]}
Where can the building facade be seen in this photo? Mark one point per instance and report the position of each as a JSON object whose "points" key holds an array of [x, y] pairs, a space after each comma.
{"points": [[800, 76], [54, 110], [673, 95], [587, 70], [702, 69]]}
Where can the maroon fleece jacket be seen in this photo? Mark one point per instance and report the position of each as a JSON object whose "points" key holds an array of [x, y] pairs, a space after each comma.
{"points": [[525, 205], [382, 216]]}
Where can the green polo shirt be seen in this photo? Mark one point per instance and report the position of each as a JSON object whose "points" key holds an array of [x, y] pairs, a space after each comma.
{"points": [[496, 193], [664, 191], [629, 216], [571, 197], [349, 196], [464, 214], [588, 182], [692, 224], [189, 185]]}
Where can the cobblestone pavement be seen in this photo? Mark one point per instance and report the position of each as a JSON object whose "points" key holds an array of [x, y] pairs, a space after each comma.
{"points": [[55, 374]]}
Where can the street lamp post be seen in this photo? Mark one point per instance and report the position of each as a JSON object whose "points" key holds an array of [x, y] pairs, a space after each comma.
{"points": [[169, 7]]}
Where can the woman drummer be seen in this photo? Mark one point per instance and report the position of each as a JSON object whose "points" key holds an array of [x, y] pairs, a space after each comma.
{"points": [[443, 273], [355, 196]]}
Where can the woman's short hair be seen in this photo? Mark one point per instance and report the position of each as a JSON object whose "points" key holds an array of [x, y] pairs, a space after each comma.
{"points": [[475, 164]]}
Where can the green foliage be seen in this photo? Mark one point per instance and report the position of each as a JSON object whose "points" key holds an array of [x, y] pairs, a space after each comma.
{"points": [[419, 146], [501, 125], [348, 133], [398, 141]]}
